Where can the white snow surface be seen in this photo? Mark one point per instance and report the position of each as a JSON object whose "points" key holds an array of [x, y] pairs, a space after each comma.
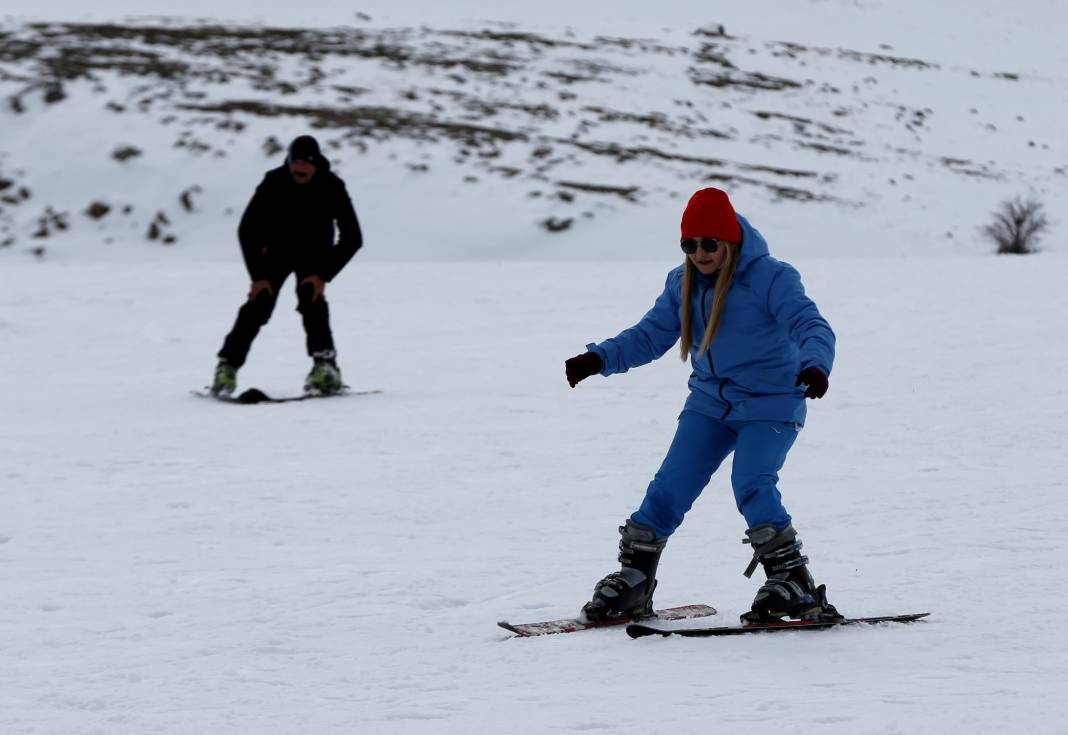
{"points": [[179, 566], [176, 565]]}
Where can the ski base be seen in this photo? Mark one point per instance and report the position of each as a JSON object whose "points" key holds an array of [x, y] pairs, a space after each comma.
{"points": [[638, 630], [572, 625], [255, 395]]}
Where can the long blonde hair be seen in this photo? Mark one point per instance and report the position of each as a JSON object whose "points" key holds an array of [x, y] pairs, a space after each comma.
{"points": [[719, 300]]}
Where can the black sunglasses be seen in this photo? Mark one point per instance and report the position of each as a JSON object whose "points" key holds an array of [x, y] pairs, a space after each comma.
{"points": [[708, 244]]}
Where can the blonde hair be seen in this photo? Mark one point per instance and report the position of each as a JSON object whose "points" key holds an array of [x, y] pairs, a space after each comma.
{"points": [[719, 300]]}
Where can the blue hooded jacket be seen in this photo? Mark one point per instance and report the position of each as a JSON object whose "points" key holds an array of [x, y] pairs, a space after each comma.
{"points": [[769, 333]]}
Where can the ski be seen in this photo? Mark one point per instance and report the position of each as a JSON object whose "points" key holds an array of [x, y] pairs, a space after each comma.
{"points": [[255, 395], [638, 630], [572, 625]]}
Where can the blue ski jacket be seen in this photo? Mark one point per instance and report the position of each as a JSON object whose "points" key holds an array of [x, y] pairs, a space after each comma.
{"points": [[769, 333]]}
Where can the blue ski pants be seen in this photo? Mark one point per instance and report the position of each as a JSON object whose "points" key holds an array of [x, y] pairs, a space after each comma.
{"points": [[700, 445]]}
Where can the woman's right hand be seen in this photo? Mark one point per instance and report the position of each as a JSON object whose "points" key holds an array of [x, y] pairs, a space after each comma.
{"points": [[580, 367]]}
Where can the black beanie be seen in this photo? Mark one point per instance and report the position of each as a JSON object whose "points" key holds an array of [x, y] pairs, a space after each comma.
{"points": [[305, 148]]}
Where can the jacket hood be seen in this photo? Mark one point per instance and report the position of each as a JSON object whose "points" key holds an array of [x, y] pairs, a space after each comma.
{"points": [[754, 245]]}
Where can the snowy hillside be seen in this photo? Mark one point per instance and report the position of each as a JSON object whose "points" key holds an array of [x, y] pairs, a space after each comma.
{"points": [[180, 566], [545, 142]]}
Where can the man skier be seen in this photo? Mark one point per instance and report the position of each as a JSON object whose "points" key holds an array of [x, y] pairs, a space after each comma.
{"points": [[288, 227]]}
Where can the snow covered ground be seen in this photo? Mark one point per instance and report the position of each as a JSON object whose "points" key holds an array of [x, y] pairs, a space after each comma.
{"points": [[852, 126], [178, 566], [173, 565]]}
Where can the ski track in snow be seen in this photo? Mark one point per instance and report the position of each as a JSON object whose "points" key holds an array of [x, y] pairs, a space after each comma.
{"points": [[175, 566]]}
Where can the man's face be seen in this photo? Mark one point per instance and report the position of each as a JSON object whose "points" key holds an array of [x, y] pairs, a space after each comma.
{"points": [[301, 171]]}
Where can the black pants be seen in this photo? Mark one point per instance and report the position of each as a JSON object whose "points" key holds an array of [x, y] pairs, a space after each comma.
{"points": [[254, 314]]}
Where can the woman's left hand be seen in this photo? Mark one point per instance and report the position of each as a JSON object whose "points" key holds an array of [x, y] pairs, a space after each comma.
{"points": [[815, 381]]}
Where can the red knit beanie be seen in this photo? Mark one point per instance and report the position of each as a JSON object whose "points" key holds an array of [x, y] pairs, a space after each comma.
{"points": [[709, 214]]}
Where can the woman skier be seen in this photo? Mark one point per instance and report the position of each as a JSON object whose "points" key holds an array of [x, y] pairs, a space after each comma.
{"points": [[753, 339]]}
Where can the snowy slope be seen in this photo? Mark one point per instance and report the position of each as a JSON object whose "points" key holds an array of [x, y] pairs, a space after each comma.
{"points": [[172, 565], [177, 566], [536, 139]]}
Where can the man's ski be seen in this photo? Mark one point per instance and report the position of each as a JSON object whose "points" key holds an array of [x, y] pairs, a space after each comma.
{"points": [[255, 395], [571, 625], [638, 630]]}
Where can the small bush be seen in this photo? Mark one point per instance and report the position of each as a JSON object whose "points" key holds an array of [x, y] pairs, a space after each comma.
{"points": [[1017, 226], [557, 225], [96, 210], [126, 152]]}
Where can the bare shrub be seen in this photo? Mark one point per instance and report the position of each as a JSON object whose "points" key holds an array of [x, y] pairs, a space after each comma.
{"points": [[1017, 226], [123, 153]]}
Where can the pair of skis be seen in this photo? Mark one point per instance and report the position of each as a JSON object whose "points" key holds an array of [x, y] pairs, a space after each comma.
{"points": [[255, 395], [648, 626]]}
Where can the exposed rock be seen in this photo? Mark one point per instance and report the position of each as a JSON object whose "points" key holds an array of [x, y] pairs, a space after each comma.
{"points": [[96, 210], [554, 224], [126, 152]]}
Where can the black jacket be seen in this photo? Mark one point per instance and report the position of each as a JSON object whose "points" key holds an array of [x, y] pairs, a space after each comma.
{"points": [[290, 227]]}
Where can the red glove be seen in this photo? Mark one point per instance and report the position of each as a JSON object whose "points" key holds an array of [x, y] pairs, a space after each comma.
{"points": [[815, 382], [580, 367]]}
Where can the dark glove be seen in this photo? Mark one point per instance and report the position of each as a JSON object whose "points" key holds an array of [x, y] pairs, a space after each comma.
{"points": [[815, 382], [580, 367]]}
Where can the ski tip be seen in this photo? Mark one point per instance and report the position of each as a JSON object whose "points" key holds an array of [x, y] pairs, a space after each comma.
{"points": [[913, 616], [640, 630], [206, 393], [906, 618], [510, 628]]}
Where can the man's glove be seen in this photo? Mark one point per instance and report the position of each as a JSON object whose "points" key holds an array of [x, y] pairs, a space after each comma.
{"points": [[258, 288], [312, 287], [815, 382], [580, 367]]}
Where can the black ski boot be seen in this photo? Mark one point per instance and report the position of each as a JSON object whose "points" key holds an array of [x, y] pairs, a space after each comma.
{"points": [[790, 591], [325, 376], [628, 593]]}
